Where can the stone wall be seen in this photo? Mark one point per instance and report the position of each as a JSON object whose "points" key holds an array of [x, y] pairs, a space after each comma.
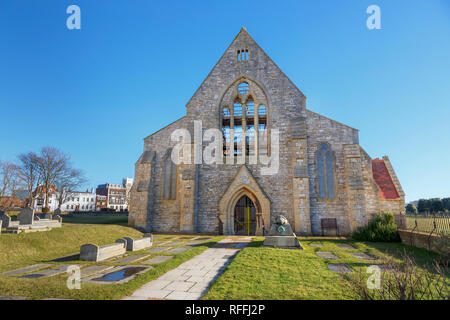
{"points": [[419, 239]]}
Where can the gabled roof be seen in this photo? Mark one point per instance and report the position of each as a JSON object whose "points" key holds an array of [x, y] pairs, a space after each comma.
{"points": [[243, 32]]}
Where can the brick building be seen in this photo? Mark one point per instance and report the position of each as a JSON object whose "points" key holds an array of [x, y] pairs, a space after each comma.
{"points": [[323, 174]]}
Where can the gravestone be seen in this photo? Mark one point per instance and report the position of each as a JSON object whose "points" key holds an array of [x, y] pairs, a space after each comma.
{"points": [[91, 252], [57, 212], [6, 219], [48, 216], [281, 235], [26, 216], [136, 244]]}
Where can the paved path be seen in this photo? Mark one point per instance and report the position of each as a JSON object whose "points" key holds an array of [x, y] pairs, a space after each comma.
{"points": [[192, 279]]}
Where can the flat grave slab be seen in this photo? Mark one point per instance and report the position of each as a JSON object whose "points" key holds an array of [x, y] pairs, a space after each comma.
{"points": [[315, 245], [178, 250], [132, 258], [339, 267], [49, 272], [326, 255], [362, 255], [345, 246], [117, 275], [32, 268], [385, 268], [176, 243], [86, 272], [158, 259], [160, 242], [194, 243], [159, 249]]}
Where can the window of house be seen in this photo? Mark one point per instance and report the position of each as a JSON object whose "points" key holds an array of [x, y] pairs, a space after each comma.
{"points": [[325, 171]]}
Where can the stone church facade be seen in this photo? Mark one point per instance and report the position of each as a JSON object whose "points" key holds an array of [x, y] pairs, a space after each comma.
{"points": [[323, 175]]}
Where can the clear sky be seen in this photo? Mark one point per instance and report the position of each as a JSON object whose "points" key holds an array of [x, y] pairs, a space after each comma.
{"points": [[95, 93]]}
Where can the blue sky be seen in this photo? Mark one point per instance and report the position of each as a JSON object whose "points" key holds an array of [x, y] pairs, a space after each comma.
{"points": [[97, 92]]}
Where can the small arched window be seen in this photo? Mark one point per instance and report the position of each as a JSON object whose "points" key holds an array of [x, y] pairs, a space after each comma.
{"points": [[325, 171], [243, 88]]}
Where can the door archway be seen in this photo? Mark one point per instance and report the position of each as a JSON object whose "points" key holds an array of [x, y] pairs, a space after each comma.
{"points": [[245, 222]]}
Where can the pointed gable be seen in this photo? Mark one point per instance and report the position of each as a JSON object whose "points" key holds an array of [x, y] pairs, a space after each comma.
{"points": [[245, 58], [383, 180]]}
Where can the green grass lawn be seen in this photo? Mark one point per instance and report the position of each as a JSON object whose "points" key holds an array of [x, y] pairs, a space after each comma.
{"points": [[20, 250], [273, 274]]}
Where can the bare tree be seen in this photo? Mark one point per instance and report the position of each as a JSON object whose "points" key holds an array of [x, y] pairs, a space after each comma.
{"points": [[52, 165], [29, 173], [9, 181], [67, 181]]}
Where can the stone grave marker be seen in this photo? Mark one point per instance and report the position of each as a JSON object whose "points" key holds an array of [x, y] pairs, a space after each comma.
{"points": [[25, 269], [362, 255], [159, 249], [326, 255], [315, 245], [345, 246], [132, 258], [178, 250], [340, 267], [26, 216], [158, 259]]}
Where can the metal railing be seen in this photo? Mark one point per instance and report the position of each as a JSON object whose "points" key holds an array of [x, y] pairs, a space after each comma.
{"points": [[432, 223]]}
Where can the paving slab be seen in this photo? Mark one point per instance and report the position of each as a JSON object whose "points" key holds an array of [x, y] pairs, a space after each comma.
{"points": [[326, 255], [159, 249], [345, 246], [132, 258], [341, 268], [158, 259], [28, 269], [362, 255], [178, 250]]}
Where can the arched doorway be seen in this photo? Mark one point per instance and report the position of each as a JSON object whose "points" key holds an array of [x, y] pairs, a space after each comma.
{"points": [[245, 217]]}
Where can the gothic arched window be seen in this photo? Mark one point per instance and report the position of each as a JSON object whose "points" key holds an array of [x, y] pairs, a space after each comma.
{"points": [[170, 178], [325, 171], [246, 120]]}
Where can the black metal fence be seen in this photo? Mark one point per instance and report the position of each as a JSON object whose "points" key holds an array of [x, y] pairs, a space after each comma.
{"points": [[432, 223]]}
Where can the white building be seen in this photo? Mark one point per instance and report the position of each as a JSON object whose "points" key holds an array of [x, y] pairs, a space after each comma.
{"points": [[79, 201]]}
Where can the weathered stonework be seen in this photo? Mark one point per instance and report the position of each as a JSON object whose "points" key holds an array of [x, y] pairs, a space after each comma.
{"points": [[207, 193]]}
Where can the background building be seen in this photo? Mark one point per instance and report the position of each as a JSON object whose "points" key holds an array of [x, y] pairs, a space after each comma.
{"points": [[117, 195]]}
